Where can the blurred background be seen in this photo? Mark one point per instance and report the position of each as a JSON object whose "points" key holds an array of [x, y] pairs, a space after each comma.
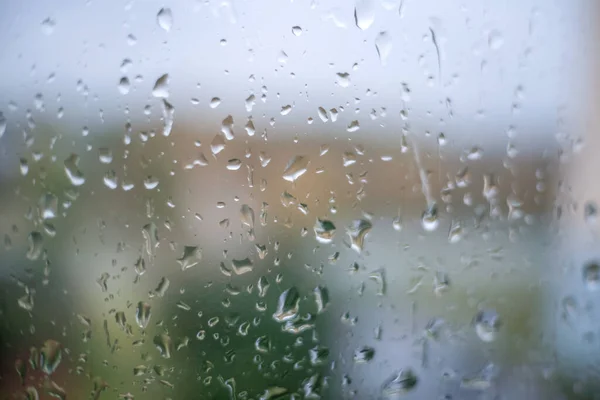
{"points": [[325, 199]]}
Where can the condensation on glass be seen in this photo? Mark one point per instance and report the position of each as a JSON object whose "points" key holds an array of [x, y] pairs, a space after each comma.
{"points": [[299, 200]]}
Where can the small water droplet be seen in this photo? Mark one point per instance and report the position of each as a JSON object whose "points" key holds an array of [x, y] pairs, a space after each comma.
{"points": [[296, 30]]}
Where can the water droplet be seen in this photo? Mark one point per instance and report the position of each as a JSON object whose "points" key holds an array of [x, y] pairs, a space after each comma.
{"points": [[48, 206], [364, 14], [399, 383], [379, 277], [164, 18], [105, 155], [164, 344], [3, 124], [495, 40], [241, 267], [214, 102], [190, 257], [321, 298], [168, 112], [383, 44], [482, 380], [288, 305], [429, 219], [234, 164], [353, 126], [295, 168], [218, 144], [363, 354], [143, 314], [324, 230], [124, 85], [72, 171], [285, 110], [591, 276], [227, 127], [247, 216], [590, 212], [487, 324], [35, 245], [296, 30], [150, 182], [322, 115], [48, 26], [343, 79], [121, 320], [318, 355], [250, 129], [50, 356], [397, 224], [357, 232], [161, 87]]}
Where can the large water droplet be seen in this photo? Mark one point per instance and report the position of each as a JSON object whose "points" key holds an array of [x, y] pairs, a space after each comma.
{"points": [[295, 168], [36, 245], [357, 231], [227, 127], [383, 44], [363, 354], [321, 298], [164, 18], [364, 14], [72, 171], [164, 344], [124, 85], [398, 384], [161, 87], [429, 219], [247, 216], [591, 276], [190, 257], [243, 266], [288, 305], [487, 324], [168, 112], [50, 356], [143, 314], [324, 230]]}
